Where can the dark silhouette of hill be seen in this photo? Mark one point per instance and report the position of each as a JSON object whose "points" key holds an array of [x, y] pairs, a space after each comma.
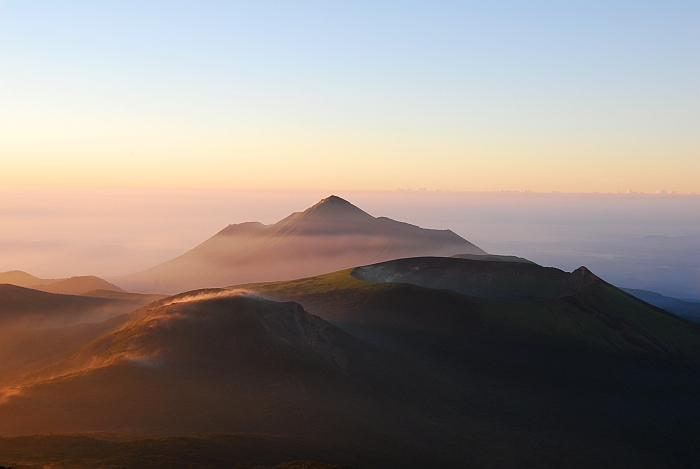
{"points": [[578, 361], [214, 451], [216, 361], [331, 235], [28, 308], [67, 286], [492, 257], [578, 374], [501, 280]]}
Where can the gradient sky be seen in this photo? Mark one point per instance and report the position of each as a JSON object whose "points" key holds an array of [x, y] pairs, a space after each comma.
{"points": [[365, 95]]}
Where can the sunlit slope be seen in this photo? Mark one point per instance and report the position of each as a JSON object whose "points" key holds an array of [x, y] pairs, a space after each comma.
{"points": [[499, 280], [28, 308], [594, 369], [67, 286], [592, 378], [78, 285], [20, 278], [574, 311], [23, 350], [331, 235], [213, 361]]}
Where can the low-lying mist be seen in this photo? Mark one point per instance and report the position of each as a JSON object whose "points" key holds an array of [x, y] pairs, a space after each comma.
{"points": [[631, 240]]}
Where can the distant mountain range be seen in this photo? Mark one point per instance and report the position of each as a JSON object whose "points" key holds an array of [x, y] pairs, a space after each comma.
{"points": [[331, 235], [687, 309], [34, 309], [66, 286], [417, 350], [410, 363]]}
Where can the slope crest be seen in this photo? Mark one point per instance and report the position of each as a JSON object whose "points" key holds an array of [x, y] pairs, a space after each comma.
{"points": [[497, 279]]}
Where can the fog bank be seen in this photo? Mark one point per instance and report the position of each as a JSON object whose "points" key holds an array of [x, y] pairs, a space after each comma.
{"points": [[632, 240]]}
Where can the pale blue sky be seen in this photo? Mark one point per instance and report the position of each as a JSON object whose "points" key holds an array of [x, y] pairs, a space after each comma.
{"points": [[567, 96]]}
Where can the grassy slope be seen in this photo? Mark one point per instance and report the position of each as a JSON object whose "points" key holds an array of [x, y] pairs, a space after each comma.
{"points": [[234, 364], [595, 379], [598, 367], [603, 320]]}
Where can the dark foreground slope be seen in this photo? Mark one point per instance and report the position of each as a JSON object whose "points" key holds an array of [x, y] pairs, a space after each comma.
{"points": [[212, 451], [582, 375], [331, 235], [39, 328], [216, 361], [580, 370]]}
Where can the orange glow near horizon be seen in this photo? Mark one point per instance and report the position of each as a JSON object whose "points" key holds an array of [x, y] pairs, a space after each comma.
{"points": [[356, 162]]}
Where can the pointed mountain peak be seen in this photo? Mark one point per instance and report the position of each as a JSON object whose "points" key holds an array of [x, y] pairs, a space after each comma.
{"points": [[335, 206], [335, 202]]}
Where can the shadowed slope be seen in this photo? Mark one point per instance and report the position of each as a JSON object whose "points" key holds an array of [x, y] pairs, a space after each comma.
{"points": [[28, 308], [220, 361], [582, 365], [500, 280], [213, 451], [122, 295], [579, 375], [331, 235]]}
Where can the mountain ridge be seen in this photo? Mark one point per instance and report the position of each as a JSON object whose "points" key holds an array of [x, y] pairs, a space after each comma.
{"points": [[77, 285], [578, 372], [330, 235]]}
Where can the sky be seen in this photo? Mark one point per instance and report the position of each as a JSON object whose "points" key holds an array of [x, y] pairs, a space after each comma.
{"points": [[564, 132], [576, 97]]}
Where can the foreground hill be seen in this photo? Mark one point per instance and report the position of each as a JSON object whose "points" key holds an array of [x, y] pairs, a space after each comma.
{"points": [[331, 235], [576, 375], [212, 451], [67, 286], [33, 309], [220, 361], [580, 366], [39, 328], [26, 350]]}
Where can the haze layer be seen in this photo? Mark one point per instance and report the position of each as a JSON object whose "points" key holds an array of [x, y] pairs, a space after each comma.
{"points": [[331, 235]]}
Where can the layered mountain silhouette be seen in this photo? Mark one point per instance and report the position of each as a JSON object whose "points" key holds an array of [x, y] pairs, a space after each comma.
{"points": [[27, 308], [489, 277], [687, 309], [566, 361], [68, 286], [329, 236], [487, 364], [216, 360]]}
